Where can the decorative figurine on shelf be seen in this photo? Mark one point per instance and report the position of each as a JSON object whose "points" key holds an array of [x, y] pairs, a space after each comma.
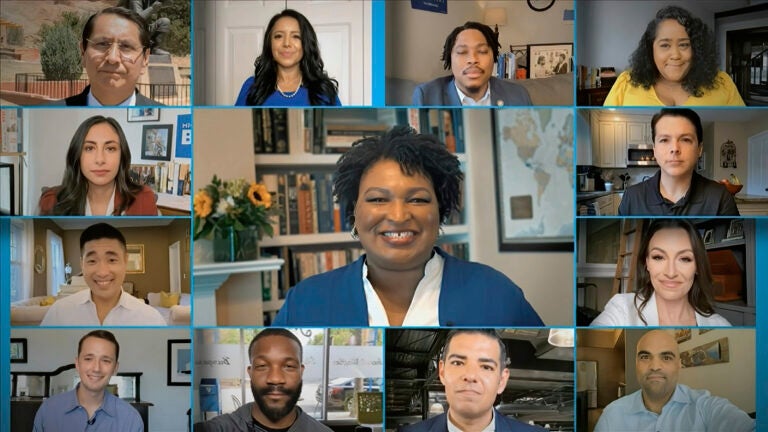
{"points": [[68, 273]]}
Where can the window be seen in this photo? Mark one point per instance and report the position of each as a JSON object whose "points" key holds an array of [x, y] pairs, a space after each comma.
{"points": [[20, 251], [55, 259]]}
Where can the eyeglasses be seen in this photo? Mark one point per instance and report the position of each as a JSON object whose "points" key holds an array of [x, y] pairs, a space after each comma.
{"points": [[128, 53]]}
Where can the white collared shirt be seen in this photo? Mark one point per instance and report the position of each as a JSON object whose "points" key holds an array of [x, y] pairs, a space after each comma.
{"points": [[468, 101], [79, 309], [110, 206], [423, 310], [92, 101], [490, 428]]}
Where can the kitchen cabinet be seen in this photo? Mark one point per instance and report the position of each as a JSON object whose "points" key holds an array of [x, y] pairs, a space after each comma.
{"points": [[613, 144], [612, 133], [639, 133]]}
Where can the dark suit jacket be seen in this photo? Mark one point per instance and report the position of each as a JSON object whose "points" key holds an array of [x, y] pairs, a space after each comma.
{"points": [[82, 99], [442, 91], [440, 424]]}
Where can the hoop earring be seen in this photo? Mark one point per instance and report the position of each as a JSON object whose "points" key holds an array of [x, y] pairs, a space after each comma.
{"points": [[353, 233]]}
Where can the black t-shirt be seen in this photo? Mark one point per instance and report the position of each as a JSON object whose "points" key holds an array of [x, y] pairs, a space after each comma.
{"points": [[704, 198]]}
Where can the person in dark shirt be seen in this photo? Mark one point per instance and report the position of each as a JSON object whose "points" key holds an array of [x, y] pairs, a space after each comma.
{"points": [[676, 189]]}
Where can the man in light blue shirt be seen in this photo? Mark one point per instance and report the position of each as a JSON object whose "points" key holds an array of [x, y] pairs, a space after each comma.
{"points": [[90, 407], [664, 405]]}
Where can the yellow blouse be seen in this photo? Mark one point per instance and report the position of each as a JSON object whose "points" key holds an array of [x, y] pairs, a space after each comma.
{"points": [[623, 93]]}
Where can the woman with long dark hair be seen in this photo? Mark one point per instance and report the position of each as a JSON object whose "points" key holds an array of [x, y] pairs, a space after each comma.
{"points": [[96, 178], [674, 282], [674, 64], [289, 71]]}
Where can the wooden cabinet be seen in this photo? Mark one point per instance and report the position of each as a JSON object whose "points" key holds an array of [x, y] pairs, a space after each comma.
{"points": [[639, 133], [592, 96], [741, 310], [613, 144]]}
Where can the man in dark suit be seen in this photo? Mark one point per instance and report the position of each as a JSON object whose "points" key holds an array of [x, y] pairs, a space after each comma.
{"points": [[470, 52], [473, 369], [115, 51]]}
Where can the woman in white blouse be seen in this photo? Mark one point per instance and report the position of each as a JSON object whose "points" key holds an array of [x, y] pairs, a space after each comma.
{"points": [[674, 282]]}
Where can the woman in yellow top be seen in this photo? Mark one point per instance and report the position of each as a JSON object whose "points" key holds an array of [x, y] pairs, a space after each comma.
{"points": [[674, 64]]}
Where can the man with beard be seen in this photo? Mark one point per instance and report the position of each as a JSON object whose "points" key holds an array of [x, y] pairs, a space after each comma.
{"points": [[276, 371], [470, 52], [473, 369], [662, 404]]}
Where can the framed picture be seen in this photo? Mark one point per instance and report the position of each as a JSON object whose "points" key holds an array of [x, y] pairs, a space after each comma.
{"points": [[179, 362], [546, 60], [533, 156], [682, 335], [135, 258], [144, 114], [735, 230], [707, 354], [18, 350], [709, 237], [156, 142]]}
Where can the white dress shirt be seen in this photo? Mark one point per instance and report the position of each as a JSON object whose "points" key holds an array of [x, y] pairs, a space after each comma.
{"points": [[79, 309], [620, 311], [468, 101], [423, 310], [92, 101]]}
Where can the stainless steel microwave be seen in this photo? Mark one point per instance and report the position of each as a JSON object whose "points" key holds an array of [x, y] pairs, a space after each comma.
{"points": [[641, 155]]}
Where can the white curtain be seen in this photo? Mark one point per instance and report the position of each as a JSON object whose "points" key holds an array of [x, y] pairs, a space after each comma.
{"points": [[21, 259], [55, 260]]}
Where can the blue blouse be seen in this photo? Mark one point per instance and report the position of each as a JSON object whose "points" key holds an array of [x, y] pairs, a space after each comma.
{"points": [[301, 98]]}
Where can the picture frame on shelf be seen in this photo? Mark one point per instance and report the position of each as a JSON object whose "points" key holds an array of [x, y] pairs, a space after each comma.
{"points": [[546, 60], [143, 114], [179, 366], [709, 237], [531, 215], [735, 230], [156, 142], [19, 350]]}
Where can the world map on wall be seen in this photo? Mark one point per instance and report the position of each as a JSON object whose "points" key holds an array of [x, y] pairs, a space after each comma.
{"points": [[536, 161]]}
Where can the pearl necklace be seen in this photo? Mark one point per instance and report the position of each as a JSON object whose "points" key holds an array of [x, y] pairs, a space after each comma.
{"points": [[289, 94]]}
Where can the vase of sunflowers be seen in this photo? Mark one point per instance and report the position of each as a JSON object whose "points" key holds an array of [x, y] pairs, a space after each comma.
{"points": [[235, 215]]}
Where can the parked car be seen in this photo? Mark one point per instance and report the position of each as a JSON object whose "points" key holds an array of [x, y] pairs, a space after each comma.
{"points": [[341, 391]]}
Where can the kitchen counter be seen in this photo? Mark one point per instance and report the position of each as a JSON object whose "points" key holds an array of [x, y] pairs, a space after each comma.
{"points": [[751, 199], [586, 196]]}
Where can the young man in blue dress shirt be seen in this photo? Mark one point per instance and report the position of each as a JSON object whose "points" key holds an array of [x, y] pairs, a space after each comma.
{"points": [[90, 406], [664, 405]]}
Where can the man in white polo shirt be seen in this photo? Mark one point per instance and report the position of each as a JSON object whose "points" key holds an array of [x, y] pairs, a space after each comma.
{"points": [[104, 259]]}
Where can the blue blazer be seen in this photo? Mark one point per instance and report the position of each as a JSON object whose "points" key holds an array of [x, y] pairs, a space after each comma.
{"points": [[442, 91], [440, 424], [471, 294]]}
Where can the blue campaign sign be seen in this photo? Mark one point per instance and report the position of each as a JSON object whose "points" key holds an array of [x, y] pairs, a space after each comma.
{"points": [[184, 136], [439, 6]]}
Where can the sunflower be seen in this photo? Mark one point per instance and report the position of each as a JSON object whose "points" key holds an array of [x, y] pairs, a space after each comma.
{"points": [[203, 204], [259, 195]]}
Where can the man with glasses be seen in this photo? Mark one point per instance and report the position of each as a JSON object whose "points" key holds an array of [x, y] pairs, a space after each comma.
{"points": [[115, 50]]}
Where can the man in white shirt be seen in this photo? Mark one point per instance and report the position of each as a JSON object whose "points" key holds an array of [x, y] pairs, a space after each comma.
{"points": [[104, 260]]}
